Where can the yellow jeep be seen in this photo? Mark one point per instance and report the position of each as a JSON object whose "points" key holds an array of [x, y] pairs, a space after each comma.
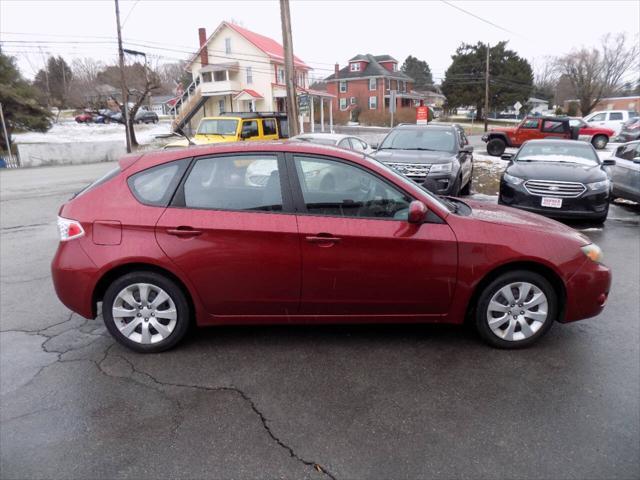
{"points": [[234, 127]]}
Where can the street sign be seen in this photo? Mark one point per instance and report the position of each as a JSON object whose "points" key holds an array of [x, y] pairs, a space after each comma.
{"points": [[517, 106], [392, 100], [303, 104], [422, 115]]}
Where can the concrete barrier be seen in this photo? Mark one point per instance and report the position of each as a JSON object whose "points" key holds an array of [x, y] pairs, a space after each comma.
{"points": [[43, 154]]}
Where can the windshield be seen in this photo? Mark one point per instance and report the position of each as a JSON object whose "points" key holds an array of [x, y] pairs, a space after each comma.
{"points": [[420, 139], [576, 152], [319, 140], [218, 126]]}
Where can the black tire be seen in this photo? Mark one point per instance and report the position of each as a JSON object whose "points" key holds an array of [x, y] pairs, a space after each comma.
{"points": [[603, 218], [515, 276], [169, 286], [455, 188], [466, 190], [599, 142], [496, 147]]}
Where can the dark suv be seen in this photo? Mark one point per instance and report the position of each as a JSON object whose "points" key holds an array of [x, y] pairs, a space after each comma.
{"points": [[438, 157]]}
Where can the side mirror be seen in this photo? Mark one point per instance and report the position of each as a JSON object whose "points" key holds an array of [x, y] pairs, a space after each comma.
{"points": [[417, 212], [374, 146], [507, 156], [608, 162], [467, 149]]}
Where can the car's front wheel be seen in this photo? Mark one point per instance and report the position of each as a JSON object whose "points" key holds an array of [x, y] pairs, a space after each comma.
{"points": [[516, 309], [599, 141], [496, 147], [146, 311]]}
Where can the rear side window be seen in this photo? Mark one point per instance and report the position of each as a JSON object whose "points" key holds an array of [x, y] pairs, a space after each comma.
{"points": [[552, 126], [155, 186], [615, 116], [250, 182], [103, 179], [269, 126]]}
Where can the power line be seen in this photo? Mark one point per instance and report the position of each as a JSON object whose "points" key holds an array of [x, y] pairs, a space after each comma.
{"points": [[446, 2]]}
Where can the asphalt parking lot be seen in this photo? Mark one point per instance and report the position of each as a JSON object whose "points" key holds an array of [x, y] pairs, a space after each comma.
{"points": [[342, 402]]}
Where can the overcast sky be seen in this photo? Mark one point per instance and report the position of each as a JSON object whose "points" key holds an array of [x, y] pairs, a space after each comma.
{"points": [[324, 32]]}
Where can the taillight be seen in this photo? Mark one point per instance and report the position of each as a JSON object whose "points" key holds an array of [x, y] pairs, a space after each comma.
{"points": [[69, 229]]}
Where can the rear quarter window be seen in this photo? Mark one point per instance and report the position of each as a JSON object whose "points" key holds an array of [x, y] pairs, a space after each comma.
{"points": [[156, 185]]}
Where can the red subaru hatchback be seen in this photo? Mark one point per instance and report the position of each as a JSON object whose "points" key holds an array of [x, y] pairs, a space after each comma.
{"points": [[300, 233]]}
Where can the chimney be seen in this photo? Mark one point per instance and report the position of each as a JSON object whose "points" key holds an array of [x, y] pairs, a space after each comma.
{"points": [[337, 71], [204, 53]]}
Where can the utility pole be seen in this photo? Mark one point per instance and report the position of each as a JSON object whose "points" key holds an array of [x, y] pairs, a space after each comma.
{"points": [[7, 140], [125, 96], [486, 93], [289, 71]]}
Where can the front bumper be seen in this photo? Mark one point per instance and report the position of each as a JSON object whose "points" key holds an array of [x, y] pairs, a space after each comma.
{"points": [[587, 291], [485, 138], [589, 205]]}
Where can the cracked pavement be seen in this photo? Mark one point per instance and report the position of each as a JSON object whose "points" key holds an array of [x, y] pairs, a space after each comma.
{"points": [[340, 402]]}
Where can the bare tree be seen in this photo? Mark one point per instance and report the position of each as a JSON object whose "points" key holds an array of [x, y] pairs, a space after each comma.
{"points": [[84, 85], [595, 73]]}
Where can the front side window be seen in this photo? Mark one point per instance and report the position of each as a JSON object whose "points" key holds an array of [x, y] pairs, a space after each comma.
{"points": [[615, 116], [249, 129], [269, 126], [552, 126], [343, 87], [358, 144], [217, 126], [627, 152], [601, 117], [337, 189], [373, 83], [155, 186], [240, 182]]}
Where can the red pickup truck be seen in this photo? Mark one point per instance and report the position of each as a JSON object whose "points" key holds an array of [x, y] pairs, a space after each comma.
{"points": [[498, 139]]}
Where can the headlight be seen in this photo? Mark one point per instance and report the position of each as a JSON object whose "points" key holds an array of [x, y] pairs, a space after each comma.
{"points": [[441, 168], [511, 179], [603, 185], [593, 252]]}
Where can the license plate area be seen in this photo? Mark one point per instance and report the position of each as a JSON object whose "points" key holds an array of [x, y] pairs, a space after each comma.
{"points": [[551, 202]]}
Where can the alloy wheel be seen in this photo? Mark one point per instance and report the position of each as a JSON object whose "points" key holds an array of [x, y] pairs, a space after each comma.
{"points": [[517, 311], [144, 313]]}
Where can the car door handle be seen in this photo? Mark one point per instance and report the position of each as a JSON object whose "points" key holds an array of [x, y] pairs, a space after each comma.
{"points": [[320, 239], [184, 232]]}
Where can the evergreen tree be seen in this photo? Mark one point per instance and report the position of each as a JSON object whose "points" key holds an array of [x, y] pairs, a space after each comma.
{"points": [[418, 70]]}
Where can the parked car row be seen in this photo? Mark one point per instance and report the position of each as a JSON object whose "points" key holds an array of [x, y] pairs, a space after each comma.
{"points": [[107, 116]]}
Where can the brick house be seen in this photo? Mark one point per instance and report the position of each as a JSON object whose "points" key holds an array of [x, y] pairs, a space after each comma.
{"points": [[367, 82]]}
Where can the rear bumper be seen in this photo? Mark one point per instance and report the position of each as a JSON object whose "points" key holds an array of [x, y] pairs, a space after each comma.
{"points": [[587, 291], [74, 275], [589, 205]]}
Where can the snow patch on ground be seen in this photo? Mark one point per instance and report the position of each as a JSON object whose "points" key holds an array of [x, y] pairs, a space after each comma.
{"points": [[70, 132]]}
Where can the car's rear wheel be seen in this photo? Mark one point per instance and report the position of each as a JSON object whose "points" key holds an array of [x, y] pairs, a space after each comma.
{"points": [[146, 311], [516, 309], [599, 141], [496, 147]]}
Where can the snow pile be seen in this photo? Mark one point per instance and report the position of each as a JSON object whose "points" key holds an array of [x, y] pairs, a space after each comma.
{"points": [[70, 132]]}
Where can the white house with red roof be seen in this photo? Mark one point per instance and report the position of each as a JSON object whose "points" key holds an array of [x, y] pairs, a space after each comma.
{"points": [[236, 70]]}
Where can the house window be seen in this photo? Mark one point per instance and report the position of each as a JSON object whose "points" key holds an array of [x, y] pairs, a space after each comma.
{"points": [[221, 105], [280, 71], [249, 75], [227, 46], [206, 77], [355, 67], [220, 76], [373, 83], [343, 87], [352, 100], [388, 84], [343, 104], [373, 103], [394, 67]]}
